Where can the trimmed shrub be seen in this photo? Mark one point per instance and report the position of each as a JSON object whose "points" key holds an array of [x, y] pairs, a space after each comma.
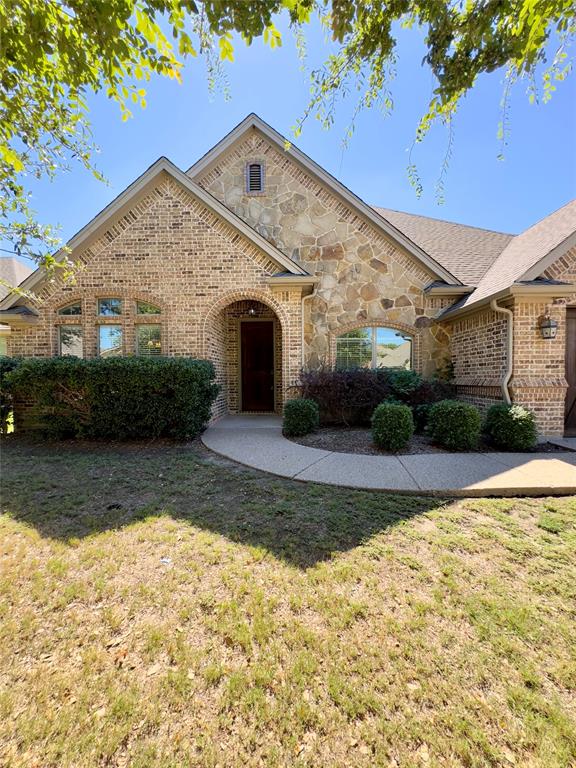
{"points": [[454, 425], [117, 398], [7, 364], [300, 417], [511, 427], [392, 426]]}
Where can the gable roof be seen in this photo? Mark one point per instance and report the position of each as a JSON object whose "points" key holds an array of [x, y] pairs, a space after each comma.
{"points": [[527, 255], [162, 165], [253, 122], [467, 252]]}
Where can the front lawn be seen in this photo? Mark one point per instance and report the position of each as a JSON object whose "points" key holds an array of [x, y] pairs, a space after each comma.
{"points": [[160, 606]]}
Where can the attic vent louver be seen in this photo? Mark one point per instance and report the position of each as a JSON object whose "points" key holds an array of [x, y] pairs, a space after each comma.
{"points": [[255, 177]]}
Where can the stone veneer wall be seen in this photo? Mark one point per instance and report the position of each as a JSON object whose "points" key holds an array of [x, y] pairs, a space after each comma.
{"points": [[364, 278], [170, 250]]}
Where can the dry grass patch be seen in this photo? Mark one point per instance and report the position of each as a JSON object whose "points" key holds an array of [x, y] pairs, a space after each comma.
{"points": [[162, 607]]}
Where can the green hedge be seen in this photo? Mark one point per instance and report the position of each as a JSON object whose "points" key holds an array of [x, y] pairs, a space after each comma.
{"points": [[454, 425], [300, 417], [392, 426], [7, 364], [511, 427], [117, 398]]}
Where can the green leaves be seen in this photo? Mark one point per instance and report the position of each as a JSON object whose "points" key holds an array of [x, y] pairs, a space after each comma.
{"points": [[53, 55]]}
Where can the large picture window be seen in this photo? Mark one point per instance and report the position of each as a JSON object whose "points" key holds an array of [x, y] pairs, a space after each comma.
{"points": [[109, 340], [70, 340], [376, 347]]}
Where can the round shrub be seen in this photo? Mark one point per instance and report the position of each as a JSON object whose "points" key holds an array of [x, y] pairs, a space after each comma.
{"points": [[300, 417], [392, 426], [454, 425], [511, 427]]}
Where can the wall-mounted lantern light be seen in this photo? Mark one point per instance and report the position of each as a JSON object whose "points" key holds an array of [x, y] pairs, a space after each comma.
{"points": [[548, 327], [252, 310]]}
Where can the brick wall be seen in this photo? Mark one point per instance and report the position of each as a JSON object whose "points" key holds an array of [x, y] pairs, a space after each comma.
{"points": [[171, 251]]}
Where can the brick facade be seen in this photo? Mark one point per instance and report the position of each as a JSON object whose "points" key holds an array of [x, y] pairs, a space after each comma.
{"points": [[538, 380]]}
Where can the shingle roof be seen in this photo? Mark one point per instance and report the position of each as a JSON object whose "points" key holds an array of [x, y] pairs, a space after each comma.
{"points": [[523, 258], [467, 252], [13, 272]]}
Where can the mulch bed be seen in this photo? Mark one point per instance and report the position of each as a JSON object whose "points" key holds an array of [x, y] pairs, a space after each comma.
{"points": [[359, 440]]}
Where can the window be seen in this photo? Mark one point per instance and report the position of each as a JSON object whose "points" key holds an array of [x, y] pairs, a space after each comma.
{"points": [[71, 309], [255, 177], [145, 308], [108, 307], [3, 346], [110, 340], [70, 340], [148, 340], [373, 348]]}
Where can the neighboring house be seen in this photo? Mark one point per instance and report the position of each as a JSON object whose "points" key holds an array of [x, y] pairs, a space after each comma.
{"points": [[262, 262], [12, 273]]}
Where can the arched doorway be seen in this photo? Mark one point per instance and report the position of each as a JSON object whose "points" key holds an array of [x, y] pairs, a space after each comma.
{"points": [[244, 341]]}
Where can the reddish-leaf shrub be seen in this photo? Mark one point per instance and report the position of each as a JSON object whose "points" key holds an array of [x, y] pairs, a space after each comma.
{"points": [[350, 397]]}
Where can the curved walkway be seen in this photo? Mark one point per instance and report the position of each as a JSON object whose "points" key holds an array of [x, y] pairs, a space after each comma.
{"points": [[257, 441]]}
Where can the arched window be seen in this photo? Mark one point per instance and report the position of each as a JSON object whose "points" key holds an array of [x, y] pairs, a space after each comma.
{"points": [[71, 309], [376, 347], [146, 308]]}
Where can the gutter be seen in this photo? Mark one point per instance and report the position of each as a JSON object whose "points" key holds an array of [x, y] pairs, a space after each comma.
{"points": [[510, 348]]}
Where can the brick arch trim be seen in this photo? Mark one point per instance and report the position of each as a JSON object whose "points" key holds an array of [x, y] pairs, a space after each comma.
{"points": [[244, 294], [410, 330]]}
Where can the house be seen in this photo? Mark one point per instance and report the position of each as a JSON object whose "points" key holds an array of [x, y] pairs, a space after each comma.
{"points": [[259, 260], [12, 272]]}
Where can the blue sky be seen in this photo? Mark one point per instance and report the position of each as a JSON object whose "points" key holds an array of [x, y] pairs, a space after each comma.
{"points": [[537, 176]]}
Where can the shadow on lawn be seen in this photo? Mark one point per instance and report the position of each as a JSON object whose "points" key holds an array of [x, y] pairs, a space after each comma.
{"points": [[75, 489]]}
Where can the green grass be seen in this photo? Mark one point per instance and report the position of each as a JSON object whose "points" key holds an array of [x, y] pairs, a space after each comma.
{"points": [[160, 606]]}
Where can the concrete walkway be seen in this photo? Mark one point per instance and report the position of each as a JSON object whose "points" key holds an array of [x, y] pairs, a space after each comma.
{"points": [[257, 441]]}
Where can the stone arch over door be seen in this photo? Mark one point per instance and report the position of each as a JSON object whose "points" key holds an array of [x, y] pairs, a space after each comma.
{"points": [[409, 330], [221, 344]]}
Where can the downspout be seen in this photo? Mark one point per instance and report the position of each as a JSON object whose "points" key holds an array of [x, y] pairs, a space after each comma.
{"points": [[510, 348], [305, 298]]}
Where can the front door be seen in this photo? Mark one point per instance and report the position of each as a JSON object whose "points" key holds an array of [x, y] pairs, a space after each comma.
{"points": [[571, 371], [257, 365]]}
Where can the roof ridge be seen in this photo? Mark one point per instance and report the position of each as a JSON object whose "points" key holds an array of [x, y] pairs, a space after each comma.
{"points": [[447, 221]]}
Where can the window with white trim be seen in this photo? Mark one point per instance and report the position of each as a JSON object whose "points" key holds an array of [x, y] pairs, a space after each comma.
{"points": [[70, 341], [254, 178], [375, 347]]}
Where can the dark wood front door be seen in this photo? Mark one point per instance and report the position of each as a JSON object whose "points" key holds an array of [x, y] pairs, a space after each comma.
{"points": [[257, 365], [571, 371]]}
